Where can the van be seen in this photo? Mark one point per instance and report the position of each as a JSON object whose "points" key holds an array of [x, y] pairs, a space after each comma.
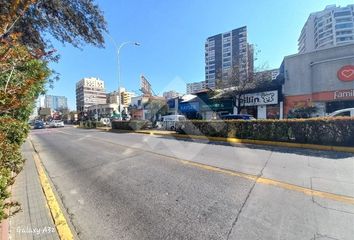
{"points": [[169, 121], [347, 112]]}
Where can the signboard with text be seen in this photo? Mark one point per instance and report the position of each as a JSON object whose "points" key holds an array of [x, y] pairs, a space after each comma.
{"points": [[262, 98]]}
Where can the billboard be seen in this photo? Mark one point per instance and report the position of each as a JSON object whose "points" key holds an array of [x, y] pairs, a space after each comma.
{"points": [[145, 86]]}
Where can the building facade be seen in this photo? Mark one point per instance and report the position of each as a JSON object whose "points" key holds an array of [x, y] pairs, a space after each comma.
{"points": [[323, 79], [196, 87], [267, 74], [333, 26], [224, 51], [89, 91], [55, 103], [170, 94]]}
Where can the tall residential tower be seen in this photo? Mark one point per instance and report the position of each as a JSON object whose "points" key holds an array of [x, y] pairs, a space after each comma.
{"points": [[328, 28], [224, 51]]}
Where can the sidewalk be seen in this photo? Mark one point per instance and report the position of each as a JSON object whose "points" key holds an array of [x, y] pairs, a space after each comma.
{"points": [[34, 221]]}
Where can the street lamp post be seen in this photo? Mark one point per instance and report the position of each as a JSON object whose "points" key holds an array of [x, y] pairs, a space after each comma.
{"points": [[118, 49]]}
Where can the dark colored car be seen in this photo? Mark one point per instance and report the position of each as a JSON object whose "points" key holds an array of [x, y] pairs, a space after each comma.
{"points": [[237, 117], [39, 125]]}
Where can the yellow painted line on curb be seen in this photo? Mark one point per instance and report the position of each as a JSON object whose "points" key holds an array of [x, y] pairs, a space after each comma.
{"points": [[251, 141], [54, 207]]}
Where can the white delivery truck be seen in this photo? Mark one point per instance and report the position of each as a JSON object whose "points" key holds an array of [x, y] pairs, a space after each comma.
{"points": [[169, 121]]}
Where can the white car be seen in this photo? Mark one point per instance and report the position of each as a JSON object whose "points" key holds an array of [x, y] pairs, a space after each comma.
{"points": [[56, 123], [347, 112], [105, 121]]}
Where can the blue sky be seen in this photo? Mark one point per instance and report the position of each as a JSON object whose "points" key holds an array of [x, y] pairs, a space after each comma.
{"points": [[172, 35]]}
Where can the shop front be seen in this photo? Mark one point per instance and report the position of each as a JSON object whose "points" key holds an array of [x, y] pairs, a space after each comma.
{"points": [[323, 79], [262, 105], [214, 108], [189, 109]]}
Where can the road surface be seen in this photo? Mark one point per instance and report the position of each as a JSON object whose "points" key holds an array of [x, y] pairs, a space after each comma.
{"points": [[135, 186]]}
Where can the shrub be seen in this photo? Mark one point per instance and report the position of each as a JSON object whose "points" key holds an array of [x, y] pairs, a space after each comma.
{"points": [[12, 135], [88, 124], [325, 131], [130, 125]]}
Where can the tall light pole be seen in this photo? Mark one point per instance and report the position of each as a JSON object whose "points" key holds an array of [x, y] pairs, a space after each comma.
{"points": [[118, 49]]}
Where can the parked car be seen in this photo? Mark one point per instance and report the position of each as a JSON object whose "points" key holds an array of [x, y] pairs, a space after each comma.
{"points": [[39, 125], [346, 112], [237, 117], [56, 123], [169, 121], [105, 121]]}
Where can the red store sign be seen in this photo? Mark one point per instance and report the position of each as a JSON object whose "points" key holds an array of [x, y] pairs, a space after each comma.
{"points": [[346, 73]]}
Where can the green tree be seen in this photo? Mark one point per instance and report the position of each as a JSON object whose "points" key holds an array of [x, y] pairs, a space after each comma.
{"points": [[69, 21]]}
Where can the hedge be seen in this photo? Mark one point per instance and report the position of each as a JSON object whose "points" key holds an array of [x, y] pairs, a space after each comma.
{"points": [[323, 131], [130, 125], [90, 124], [12, 134]]}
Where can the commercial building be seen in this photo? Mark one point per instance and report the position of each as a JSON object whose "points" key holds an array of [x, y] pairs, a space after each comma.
{"points": [[170, 94], [267, 74], [196, 87], [125, 96], [102, 110], [225, 51], [89, 91], [331, 27], [55, 103], [322, 78]]}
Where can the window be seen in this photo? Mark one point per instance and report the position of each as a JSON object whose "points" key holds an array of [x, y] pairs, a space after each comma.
{"points": [[344, 25], [344, 32], [227, 45], [341, 39], [339, 14], [228, 64], [226, 54], [340, 20]]}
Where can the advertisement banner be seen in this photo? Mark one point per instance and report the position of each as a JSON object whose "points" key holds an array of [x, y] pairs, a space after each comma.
{"points": [[262, 98], [189, 107]]}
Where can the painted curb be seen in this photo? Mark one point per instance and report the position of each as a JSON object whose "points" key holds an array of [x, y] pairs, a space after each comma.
{"points": [[59, 219], [257, 142]]}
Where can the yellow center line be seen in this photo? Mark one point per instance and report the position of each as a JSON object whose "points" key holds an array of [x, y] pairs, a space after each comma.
{"points": [[259, 180]]}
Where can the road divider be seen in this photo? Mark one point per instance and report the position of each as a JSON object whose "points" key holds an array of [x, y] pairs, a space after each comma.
{"points": [[249, 141]]}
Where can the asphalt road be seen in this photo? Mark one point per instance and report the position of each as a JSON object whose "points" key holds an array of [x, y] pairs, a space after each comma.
{"points": [[134, 186]]}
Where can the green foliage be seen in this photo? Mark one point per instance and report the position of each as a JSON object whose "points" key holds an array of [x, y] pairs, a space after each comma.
{"points": [[324, 131], [302, 112], [11, 160], [130, 125], [72, 21]]}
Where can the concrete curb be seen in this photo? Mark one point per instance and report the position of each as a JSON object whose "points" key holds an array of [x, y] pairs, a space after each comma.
{"points": [[251, 141], [58, 216]]}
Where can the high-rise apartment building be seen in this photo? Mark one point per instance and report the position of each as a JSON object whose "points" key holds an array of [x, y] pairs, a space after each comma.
{"points": [[55, 103], [89, 91], [225, 51], [196, 87], [328, 28]]}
